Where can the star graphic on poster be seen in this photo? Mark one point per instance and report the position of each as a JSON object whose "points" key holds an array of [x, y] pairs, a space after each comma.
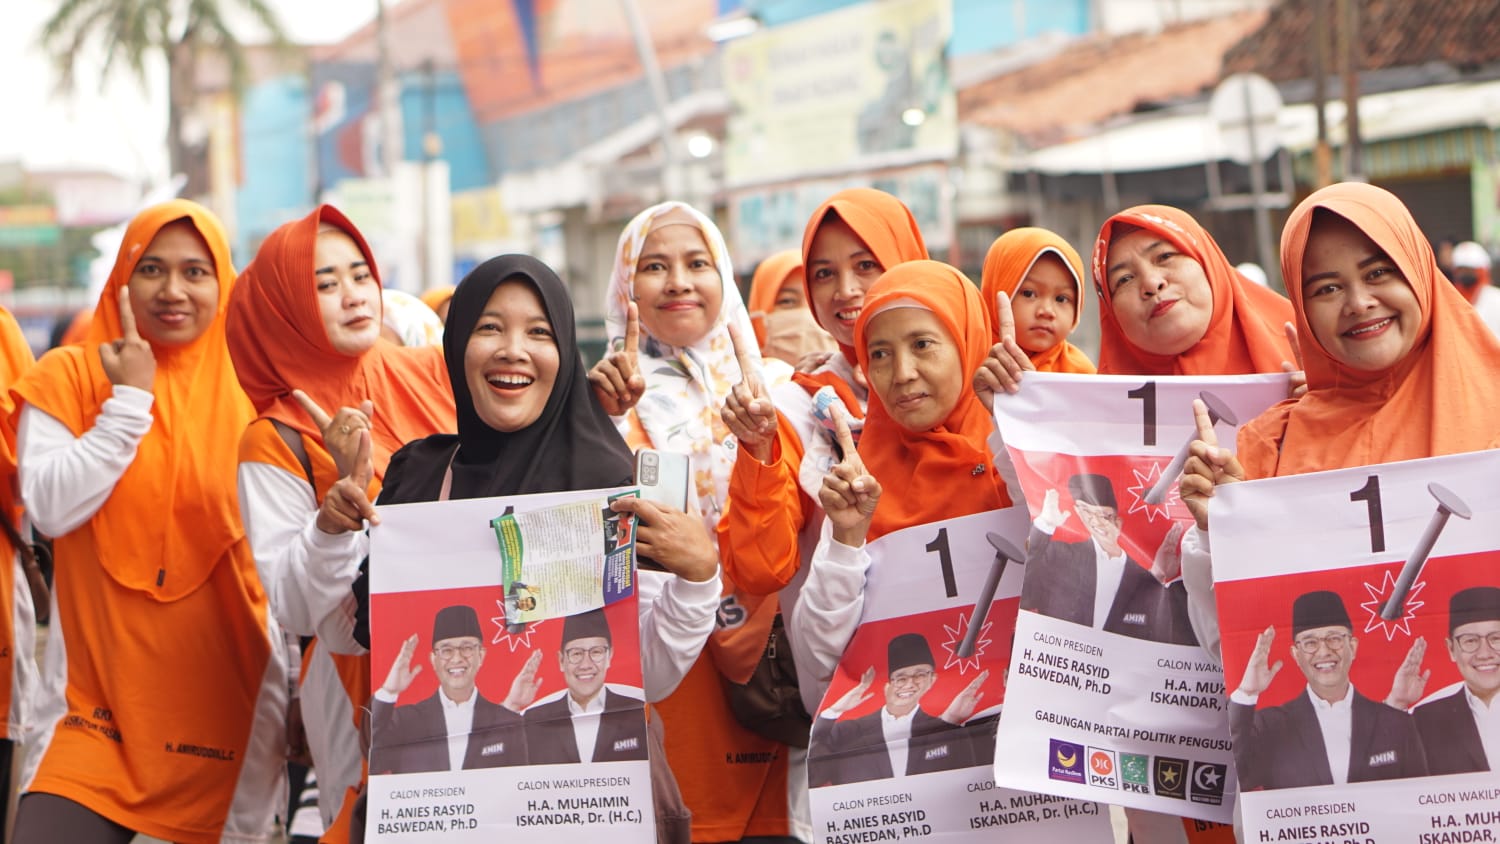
{"points": [[513, 640], [1144, 480], [956, 636], [1378, 596]]}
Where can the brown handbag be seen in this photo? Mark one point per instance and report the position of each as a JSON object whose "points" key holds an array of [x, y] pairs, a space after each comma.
{"points": [[36, 581]]}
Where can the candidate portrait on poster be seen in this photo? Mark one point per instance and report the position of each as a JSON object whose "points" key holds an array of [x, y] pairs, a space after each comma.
{"points": [[1095, 583], [588, 720], [1461, 730], [453, 729], [899, 739], [1330, 733]]}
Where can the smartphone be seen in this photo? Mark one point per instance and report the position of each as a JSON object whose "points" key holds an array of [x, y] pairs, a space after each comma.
{"points": [[663, 478]]}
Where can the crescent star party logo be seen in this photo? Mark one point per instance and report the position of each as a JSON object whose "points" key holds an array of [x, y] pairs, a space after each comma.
{"points": [[1067, 761]]}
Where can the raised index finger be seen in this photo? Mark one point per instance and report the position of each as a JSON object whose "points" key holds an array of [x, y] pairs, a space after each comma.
{"points": [[841, 431], [742, 356], [1205, 423], [1005, 318], [317, 414], [127, 315], [632, 330], [1291, 337]]}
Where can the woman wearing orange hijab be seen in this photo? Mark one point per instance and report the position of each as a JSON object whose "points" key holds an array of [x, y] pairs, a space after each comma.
{"points": [[1042, 276], [779, 313], [786, 437], [922, 332], [1172, 304], [166, 687], [306, 315], [439, 298], [1397, 366], [18, 610]]}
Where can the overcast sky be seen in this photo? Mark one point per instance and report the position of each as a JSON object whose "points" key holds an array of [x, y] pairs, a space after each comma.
{"points": [[122, 127]]}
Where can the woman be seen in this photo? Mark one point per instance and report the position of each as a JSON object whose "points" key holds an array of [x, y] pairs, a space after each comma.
{"points": [[306, 315], [1381, 333], [1041, 276], [165, 696], [23, 587], [922, 331], [786, 435], [672, 269], [543, 430], [784, 326], [1172, 304]]}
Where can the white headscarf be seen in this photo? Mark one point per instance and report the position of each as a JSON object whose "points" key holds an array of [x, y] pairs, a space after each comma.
{"points": [[685, 385]]}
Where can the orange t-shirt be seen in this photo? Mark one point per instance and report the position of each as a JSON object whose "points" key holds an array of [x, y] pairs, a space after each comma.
{"points": [[15, 360], [733, 780]]}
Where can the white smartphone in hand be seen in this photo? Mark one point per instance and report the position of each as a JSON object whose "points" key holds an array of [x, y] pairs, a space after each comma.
{"points": [[663, 476]]}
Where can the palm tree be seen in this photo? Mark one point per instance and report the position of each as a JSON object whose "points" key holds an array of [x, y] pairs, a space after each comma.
{"points": [[130, 31]]}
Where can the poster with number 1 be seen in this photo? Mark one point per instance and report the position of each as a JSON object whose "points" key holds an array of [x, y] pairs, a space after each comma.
{"points": [[1110, 696], [1361, 640], [903, 742]]}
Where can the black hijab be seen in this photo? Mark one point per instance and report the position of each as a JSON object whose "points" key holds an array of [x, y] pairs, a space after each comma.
{"points": [[571, 445]]}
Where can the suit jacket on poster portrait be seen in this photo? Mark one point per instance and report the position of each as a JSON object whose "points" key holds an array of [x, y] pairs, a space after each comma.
{"points": [[1282, 746], [855, 750], [622, 731], [414, 738], [1061, 578], [1450, 738]]}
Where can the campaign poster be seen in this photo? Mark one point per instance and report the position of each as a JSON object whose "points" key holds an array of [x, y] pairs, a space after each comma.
{"points": [[1360, 616], [903, 742], [487, 728], [1110, 696]]}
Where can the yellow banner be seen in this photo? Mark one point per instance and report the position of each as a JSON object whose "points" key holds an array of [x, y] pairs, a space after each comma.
{"points": [[479, 217]]}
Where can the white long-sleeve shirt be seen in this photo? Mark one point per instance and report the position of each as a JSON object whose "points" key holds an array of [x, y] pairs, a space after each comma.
{"points": [[1198, 578], [832, 599], [66, 479]]}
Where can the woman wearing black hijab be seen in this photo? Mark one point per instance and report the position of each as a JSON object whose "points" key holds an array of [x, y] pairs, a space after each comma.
{"points": [[528, 422]]}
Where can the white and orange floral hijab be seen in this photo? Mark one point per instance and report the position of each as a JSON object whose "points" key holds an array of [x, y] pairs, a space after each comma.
{"points": [[685, 385]]}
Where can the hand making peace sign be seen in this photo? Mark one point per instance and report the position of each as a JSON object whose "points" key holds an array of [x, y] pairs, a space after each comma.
{"points": [[340, 431], [346, 506], [849, 492]]}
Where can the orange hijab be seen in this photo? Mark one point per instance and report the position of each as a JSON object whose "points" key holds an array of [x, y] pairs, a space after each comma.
{"points": [[438, 296], [278, 342], [1010, 258], [888, 230], [1245, 332], [946, 472], [1439, 399], [174, 513], [770, 276]]}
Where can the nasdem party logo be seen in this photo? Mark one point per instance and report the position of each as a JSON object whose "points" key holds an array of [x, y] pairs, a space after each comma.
{"points": [[1065, 761]]}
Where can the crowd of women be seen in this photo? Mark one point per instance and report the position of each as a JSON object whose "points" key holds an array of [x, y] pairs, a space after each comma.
{"points": [[208, 461]]}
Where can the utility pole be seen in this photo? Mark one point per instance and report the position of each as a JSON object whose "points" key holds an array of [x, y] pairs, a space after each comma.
{"points": [[388, 95], [1322, 153], [1354, 164], [670, 167]]}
